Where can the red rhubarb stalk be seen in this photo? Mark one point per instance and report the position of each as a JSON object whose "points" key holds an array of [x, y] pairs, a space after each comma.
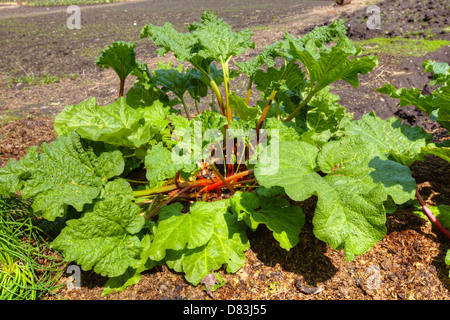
{"points": [[431, 216]]}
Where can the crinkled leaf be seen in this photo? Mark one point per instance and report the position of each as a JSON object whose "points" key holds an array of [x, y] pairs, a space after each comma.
{"points": [[159, 164], [323, 119], [67, 173], [105, 238], [441, 71], [116, 123], [119, 56], [350, 214], [144, 91], [169, 39], [174, 80], [133, 274], [353, 157], [119, 187], [409, 97], [287, 77], [287, 131], [13, 175], [350, 210], [283, 220], [266, 56], [435, 105], [441, 101], [327, 65], [217, 40], [400, 142]]}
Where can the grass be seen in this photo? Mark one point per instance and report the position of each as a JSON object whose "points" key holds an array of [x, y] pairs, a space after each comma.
{"points": [[27, 271], [32, 79], [400, 46]]}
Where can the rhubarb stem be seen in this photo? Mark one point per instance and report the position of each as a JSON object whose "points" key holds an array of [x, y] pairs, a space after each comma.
{"points": [[225, 182], [431, 216]]}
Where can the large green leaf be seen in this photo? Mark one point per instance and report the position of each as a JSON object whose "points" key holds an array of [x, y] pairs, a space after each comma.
{"points": [[353, 157], [441, 101], [176, 230], [133, 274], [350, 211], [409, 97], [435, 105], [287, 77], [113, 123], [296, 172], [169, 39], [266, 56], [277, 214], [441, 71], [227, 245], [64, 173], [145, 92], [350, 214], [105, 238], [400, 142]]}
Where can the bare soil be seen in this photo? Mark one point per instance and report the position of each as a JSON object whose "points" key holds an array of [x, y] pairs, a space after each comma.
{"points": [[410, 259]]}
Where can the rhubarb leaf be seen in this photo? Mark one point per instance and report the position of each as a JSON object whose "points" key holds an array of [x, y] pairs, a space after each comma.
{"points": [[119, 56], [409, 97], [441, 150], [399, 142], [353, 157], [325, 66], [227, 245], [283, 220], [350, 215], [67, 173], [441, 71], [296, 171], [133, 274], [159, 164], [170, 40], [435, 105], [217, 40], [114, 123], [176, 230], [103, 239], [242, 110], [145, 92]]}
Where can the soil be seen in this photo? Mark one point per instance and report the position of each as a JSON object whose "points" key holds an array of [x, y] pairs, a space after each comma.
{"points": [[409, 260]]}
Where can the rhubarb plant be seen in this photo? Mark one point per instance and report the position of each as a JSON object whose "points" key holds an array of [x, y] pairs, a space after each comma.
{"points": [[137, 183]]}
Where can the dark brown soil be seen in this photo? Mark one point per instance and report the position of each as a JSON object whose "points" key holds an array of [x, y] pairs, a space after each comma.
{"points": [[410, 259]]}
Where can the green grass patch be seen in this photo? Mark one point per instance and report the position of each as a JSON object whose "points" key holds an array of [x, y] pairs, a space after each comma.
{"points": [[400, 46], [27, 271], [32, 79]]}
